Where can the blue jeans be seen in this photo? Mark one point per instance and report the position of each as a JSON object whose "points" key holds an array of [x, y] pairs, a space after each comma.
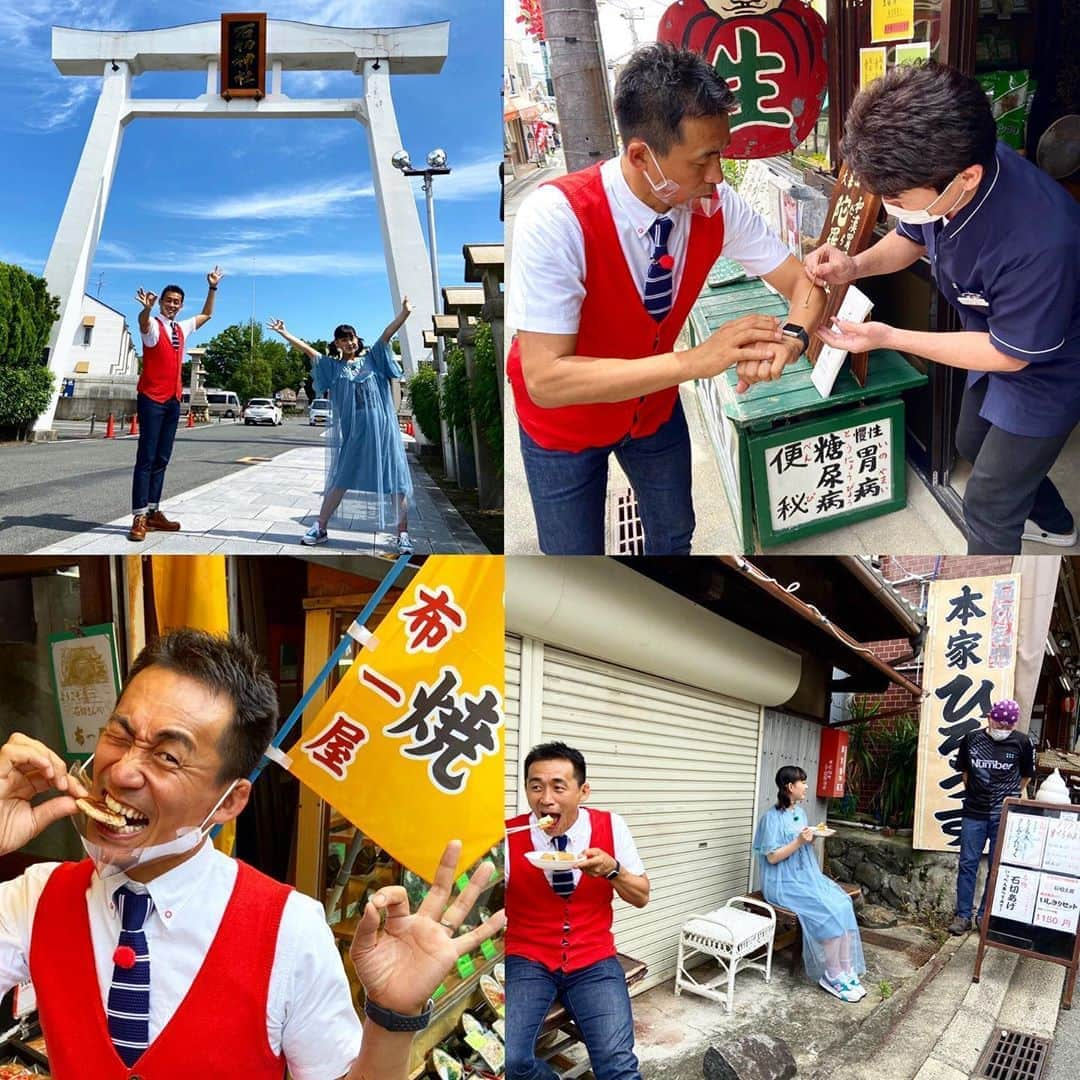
{"points": [[157, 429], [595, 997], [974, 832], [568, 489]]}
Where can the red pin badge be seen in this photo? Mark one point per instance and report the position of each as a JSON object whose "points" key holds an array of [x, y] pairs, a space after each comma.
{"points": [[665, 262], [124, 957]]}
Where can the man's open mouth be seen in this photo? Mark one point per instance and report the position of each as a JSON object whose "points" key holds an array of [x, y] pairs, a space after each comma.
{"points": [[548, 822], [116, 816]]}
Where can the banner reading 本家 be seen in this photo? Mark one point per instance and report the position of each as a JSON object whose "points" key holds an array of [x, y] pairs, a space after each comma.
{"points": [[409, 746], [970, 662]]}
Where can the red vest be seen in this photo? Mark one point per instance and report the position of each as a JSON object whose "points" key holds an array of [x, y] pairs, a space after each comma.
{"points": [[160, 378], [537, 917], [614, 322], [219, 1029]]}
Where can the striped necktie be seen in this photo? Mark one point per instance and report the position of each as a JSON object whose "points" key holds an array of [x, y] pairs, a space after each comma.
{"points": [[658, 280], [128, 1007], [175, 334], [562, 881]]}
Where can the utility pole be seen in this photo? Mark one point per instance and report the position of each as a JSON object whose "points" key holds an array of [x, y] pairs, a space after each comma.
{"points": [[572, 30]]}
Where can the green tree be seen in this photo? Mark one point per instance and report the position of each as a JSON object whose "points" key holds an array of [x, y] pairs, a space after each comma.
{"points": [[27, 314], [484, 391], [422, 392]]}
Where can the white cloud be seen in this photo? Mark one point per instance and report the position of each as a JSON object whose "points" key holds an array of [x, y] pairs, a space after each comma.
{"points": [[318, 200], [252, 263], [476, 180]]}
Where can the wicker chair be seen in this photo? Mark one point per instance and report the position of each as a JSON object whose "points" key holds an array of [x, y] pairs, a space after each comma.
{"points": [[733, 936]]}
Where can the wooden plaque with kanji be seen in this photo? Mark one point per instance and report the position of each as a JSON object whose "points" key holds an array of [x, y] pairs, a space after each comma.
{"points": [[243, 56], [852, 215]]}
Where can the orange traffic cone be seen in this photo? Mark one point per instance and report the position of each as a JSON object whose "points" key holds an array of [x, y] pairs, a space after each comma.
{"points": [[134, 429], [190, 419], [110, 428]]}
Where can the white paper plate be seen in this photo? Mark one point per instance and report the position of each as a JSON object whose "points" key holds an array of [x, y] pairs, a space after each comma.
{"points": [[538, 860], [823, 832]]}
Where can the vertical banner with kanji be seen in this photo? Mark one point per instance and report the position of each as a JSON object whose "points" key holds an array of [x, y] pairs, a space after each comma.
{"points": [[409, 746], [970, 662]]}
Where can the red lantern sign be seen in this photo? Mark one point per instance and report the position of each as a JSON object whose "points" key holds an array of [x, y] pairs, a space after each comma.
{"points": [[772, 54]]}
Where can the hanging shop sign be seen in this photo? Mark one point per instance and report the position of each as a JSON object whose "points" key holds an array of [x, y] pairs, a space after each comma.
{"points": [[86, 679], [772, 54], [970, 662], [409, 746]]}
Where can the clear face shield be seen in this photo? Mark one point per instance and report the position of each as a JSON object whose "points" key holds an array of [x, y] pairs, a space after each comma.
{"points": [[671, 193], [109, 829]]}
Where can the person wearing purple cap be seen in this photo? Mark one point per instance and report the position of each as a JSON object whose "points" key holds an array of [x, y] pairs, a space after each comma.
{"points": [[996, 762]]}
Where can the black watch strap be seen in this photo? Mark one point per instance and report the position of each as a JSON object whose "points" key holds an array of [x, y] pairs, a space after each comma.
{"points": [[796, 331], [614, 873], [395, 1021]]}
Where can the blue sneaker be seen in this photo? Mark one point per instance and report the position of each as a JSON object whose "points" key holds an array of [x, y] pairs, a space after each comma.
{"points": [[839, 987], [314, 535], [854, 985]]}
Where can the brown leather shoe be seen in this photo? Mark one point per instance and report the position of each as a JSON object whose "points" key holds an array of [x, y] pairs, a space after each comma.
{"points": [[156, 521], [138, 528]]}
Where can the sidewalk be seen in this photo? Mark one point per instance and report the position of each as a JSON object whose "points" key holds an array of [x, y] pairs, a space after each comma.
{"points": [[923, 1018], [266, 508]]}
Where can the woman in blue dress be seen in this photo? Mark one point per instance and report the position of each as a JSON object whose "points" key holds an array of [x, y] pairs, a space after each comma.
{"points": [[791, 877], [365, 452]]}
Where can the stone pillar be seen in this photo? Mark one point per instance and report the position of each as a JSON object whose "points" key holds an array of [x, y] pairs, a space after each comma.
{"points": [[407, 263], [488, 472], [493, 315], [72, 252]]}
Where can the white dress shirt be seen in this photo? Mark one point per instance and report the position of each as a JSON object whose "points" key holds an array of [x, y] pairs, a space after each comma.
{"points": [[547, 264], [187, 328], [310, 1015], [579, 837]]}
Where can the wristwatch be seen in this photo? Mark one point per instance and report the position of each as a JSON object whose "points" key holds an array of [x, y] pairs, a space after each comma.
{"points": [[793, 330], [395, 1021], [616, 872]]}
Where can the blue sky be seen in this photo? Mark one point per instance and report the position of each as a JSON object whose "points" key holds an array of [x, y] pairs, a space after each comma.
{"points": [[283, 206]]}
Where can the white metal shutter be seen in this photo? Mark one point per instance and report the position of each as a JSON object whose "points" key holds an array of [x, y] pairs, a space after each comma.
{"points": [[680, 766], [512, 722]]}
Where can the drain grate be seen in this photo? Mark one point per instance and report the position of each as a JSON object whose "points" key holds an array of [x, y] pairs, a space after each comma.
{"points": [[626, 534], [1013, 1055]]}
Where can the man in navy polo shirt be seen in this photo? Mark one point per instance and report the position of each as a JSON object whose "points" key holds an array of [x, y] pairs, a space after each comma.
{"points": [[1004, 246]]}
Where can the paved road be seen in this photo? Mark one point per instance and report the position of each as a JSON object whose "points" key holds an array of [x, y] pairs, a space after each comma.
{"points": [[49, 491]]}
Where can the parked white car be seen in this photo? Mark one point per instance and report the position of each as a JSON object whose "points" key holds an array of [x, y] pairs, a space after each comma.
{"points": [[319, 412], [262, 410]]}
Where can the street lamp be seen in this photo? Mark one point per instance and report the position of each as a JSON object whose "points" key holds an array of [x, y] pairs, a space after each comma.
{"points": [[436, 166]]}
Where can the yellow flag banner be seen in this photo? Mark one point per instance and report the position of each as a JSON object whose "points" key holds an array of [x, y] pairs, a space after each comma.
{"points": [[409, 746]]}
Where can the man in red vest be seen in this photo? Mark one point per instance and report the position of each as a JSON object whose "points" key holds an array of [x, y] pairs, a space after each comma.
{"points": [[559, 943], [606, 266], [158, 956], [158, 405]]}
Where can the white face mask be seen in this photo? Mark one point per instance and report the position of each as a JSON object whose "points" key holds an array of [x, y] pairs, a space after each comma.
{"points": [[998, 735], [923, 216], [671, 193], [110, 861]]}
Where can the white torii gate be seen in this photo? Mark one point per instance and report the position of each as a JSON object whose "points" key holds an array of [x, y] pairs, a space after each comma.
{"points": [[292, 46]]}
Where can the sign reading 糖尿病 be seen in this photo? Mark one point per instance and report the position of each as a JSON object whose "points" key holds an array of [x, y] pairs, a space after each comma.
{"points": [[812, 477], [969, 658]]}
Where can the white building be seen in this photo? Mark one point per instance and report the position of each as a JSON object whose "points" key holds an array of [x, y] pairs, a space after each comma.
{"points": [[103, 364]]}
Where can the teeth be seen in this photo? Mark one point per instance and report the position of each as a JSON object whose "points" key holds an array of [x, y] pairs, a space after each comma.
{"points": [[112, 813], [128, 812]]}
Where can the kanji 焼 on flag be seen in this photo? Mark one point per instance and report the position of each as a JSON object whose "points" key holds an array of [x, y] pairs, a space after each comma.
{"points": [[409, 746]]}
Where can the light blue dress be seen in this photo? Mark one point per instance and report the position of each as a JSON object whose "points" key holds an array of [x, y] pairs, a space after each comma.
{"points": [[824, 909], [365, 451]]}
